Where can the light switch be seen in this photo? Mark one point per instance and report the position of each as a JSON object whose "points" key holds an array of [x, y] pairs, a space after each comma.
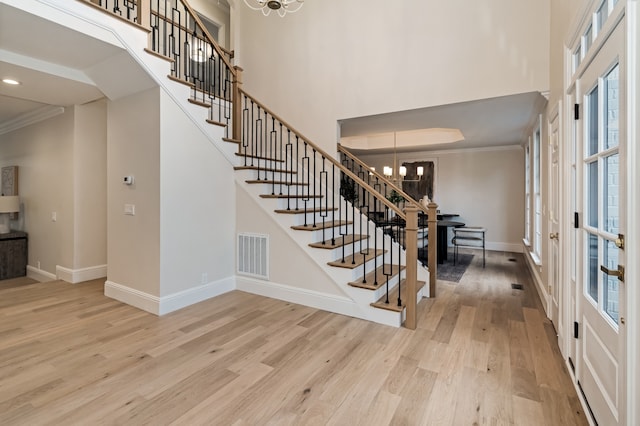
{"points": [[130, 209], [54, 216]]}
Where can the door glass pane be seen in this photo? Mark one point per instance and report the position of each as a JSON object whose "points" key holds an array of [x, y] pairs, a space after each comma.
{"points": [[612, 194], [611, 108], [592, 193], [610, 291], [592, 276], [592, 116]]}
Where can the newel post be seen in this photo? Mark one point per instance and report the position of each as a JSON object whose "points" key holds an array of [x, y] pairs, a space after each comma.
{"points": [[144, 13], [433, 247], [236, 118], [411, 253]]}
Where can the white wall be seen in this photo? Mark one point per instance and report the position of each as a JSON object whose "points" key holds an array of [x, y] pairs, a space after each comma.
{"points": [[133, 148], [304, 272], [485, 187], [90, 185], [335, 60], [62, 168], [197, 204], [43, 153]]}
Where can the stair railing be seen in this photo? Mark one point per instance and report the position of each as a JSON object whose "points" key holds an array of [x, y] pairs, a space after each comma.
{"points": [[314, 183], [311, 180], [178, 33], [386, 187]]}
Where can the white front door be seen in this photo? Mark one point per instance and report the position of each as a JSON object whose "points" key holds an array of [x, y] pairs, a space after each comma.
{"points": [[601, 295]]}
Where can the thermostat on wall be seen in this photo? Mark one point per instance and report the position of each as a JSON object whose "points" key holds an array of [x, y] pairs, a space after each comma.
{"points": [[128, 180]]}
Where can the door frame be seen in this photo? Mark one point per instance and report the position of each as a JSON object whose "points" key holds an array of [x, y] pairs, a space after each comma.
{"points": [[628, 10]]}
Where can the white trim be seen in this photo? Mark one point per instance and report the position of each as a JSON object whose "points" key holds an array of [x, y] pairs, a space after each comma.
{"points": [[633, 213], [191, 296], [500, 246], [314, 299], [513, 147], [535, 276], [75, 276], [31, 117], [40, 274], [166, 304], [133, 297]]}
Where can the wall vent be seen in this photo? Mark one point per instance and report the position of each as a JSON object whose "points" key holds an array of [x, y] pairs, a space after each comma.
{"points": [[253, 255]]}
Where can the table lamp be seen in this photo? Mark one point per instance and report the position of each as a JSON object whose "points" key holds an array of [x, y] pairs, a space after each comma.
{"points": [[8, 204]]}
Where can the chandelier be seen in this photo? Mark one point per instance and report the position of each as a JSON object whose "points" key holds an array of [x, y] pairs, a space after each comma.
{"points": [[282, 7], [388, 171]]}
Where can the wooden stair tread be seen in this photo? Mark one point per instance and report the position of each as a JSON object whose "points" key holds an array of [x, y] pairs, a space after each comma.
{"points": [[339, 242], [216, 123], [357, 259], [322, 225], [239, 154], [393, 297], [370, 278], [159, 55], [277, 182], [230, 140], [289, 196], [263, 169], [200, 103], [176, 79], [302, 211]]}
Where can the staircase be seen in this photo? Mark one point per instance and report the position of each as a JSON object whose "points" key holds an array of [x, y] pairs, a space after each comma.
{"points": [[345, 225]]}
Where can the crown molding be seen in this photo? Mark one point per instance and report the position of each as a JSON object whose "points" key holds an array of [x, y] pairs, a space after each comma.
{"points": [[31, 117]]}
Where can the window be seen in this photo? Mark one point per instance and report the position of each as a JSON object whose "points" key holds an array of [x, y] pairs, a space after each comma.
{"points": [[587, 39], [537, 196], [527, 195], [577, 58]]}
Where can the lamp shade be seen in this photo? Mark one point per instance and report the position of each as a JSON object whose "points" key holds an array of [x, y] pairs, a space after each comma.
{"points": [[9, 204]]}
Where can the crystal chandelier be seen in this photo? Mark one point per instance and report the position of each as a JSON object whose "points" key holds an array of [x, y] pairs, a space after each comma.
{"points": [[282, 7]]}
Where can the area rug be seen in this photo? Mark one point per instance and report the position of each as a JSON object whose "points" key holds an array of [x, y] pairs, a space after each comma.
{"points": [[450, 272]]}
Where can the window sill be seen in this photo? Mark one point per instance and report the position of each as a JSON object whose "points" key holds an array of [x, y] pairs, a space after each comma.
{"points": [[535, 258]]}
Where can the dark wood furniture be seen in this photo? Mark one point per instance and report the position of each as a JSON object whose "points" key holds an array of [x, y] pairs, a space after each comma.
{"points": [[13, 255], [443, 230]]}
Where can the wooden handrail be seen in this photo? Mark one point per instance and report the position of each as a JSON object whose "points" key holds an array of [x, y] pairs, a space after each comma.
{"points": [[195, 16], [380, 177], [335, 162]]}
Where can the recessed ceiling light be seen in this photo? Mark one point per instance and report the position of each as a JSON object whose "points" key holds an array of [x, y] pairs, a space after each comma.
{"points": [[10, 81]]}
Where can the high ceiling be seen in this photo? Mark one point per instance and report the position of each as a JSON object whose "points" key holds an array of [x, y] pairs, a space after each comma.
{"points": [[77, 70]]}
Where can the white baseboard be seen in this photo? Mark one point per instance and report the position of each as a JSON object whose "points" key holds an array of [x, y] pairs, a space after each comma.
{"points": [[74, 276], [163, 305], [133, 297], [194, 295], [39, 274], [534, 269], [326, 302], [508, 247]]}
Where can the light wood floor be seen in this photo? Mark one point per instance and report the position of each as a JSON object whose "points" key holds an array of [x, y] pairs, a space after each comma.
{"points": [[483, 354]]}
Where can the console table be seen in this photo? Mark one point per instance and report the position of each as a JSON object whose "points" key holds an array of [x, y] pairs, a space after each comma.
{"points": [[13, 255]]}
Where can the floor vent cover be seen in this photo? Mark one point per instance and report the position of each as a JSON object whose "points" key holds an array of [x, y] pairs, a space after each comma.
{"points": [[253, 255], [512, 259], [516, 286]]}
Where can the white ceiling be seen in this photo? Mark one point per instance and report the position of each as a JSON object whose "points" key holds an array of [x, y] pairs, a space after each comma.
{"points": [[58, 67], [484, 123]]}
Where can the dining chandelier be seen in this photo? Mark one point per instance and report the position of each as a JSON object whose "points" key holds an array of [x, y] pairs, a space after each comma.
{"points": [[388, 171], [282, 7]]}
